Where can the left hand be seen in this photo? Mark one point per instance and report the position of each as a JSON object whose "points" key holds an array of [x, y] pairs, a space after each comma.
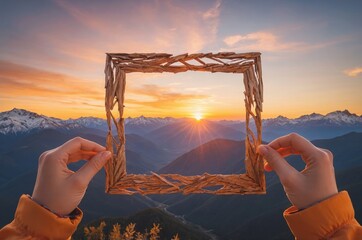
{"points": [[57, 187]]}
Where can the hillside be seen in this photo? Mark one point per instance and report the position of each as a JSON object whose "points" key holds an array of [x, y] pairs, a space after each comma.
{"points": [[153, 153], [144, 220], [235, 216], [182, 136], [217, 156]]}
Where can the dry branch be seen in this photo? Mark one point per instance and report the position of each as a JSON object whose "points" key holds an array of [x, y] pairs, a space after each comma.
{"points": [[119, 182]]}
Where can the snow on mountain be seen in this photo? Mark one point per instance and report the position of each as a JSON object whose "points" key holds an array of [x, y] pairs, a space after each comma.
{"points": [[344, 117], [332, 118], [89, 122], [142, 124], [278, 121], [142, 120], [19, 120]]}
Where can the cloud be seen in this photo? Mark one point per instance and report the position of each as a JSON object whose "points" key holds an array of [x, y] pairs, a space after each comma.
{"points": [[211, 16], [354, 72], [75, 37], [268, 42], [18, 81], [232, 40], [188, 27], [213, 12], [162, 97]]}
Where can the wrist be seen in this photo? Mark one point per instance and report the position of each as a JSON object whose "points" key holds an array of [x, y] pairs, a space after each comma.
{"points": [[73, 214], [315, 201]]}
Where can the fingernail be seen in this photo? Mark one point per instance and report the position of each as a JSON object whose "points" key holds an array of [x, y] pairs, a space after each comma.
{"points": [[106, 154], [263, 150]]}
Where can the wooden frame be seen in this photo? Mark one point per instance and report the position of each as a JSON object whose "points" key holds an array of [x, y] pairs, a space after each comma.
{"points": [[119, 182]]}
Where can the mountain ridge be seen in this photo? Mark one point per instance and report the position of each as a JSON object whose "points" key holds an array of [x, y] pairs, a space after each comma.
{"points": [[17, 121]]}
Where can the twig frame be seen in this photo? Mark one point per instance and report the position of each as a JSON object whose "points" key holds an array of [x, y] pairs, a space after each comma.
{"points": [[117, 179]]}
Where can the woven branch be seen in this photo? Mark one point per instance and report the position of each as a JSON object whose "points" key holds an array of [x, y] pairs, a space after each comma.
{"points": [[117, 179]]}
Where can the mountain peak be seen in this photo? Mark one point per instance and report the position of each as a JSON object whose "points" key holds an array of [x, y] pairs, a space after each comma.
{"points": [[19, 112], [281, 117], [343, 117], [20, 120]]}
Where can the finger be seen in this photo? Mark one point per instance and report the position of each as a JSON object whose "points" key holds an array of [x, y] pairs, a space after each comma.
{"points": [[76, 144], [85, 174], [329, 153], [294, 144], [277, 162], [284, 152], [81, 155], [267, 167]]}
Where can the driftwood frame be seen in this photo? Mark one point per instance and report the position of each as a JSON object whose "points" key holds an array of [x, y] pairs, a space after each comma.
{"points": [[117, 179]]}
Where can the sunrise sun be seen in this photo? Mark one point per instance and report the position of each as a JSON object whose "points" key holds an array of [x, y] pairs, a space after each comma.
{"points": [[198, 116]]}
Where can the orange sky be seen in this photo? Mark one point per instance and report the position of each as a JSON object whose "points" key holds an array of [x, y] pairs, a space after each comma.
{"points": [[52, 56]]}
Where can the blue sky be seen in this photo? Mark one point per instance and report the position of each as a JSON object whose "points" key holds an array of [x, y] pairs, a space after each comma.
{"points": [[52, 55]]}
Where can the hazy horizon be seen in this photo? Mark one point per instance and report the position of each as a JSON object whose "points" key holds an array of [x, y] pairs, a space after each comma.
{"points": [[189, 117]]}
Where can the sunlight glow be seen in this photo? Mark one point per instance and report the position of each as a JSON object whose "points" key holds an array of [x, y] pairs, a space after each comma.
{"points": [[198, 116]]}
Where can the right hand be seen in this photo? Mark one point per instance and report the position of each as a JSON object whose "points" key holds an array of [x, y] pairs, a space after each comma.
{"points": [[315, 183]]}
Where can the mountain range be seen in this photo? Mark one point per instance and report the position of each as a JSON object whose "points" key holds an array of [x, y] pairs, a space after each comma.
{"points": [[19, 121], [170, 145]]}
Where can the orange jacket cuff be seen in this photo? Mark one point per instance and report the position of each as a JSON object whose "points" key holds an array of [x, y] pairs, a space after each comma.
{"points": [[320, 220], [38, 221]]}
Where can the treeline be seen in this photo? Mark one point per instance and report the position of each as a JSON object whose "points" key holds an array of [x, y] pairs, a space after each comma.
{"points": [[129, 233]]}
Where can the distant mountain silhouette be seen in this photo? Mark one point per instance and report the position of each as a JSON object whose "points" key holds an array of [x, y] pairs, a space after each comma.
{"points": [[151, 152], [185, 135], [217, 156], [233, 217], [312, 126], [142, 125]]}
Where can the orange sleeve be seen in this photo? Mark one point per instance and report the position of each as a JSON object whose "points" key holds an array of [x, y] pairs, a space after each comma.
{"points": [[332, 218], [33, 221]]}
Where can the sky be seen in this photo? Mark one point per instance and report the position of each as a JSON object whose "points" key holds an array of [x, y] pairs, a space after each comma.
{"points": [[52, 55]]}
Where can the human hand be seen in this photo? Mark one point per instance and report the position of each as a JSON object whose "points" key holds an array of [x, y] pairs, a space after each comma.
{"points": [[315, 183], [57, 187]]}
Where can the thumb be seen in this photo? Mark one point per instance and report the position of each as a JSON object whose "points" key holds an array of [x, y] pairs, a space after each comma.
{"points": [[277, 162], [92, 167]]}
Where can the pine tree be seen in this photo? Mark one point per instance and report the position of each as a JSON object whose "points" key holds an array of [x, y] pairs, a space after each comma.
{"points": [[95, 233], [116, 232], [129, 232], [175, 237], [154, 232]]}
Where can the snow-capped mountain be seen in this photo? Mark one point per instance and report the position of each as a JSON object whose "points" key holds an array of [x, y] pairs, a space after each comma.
{"points": [[314, 125], [142, 120], [142, 124], [332, 118], [311, 126], [88, 122], [19, 121]]}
